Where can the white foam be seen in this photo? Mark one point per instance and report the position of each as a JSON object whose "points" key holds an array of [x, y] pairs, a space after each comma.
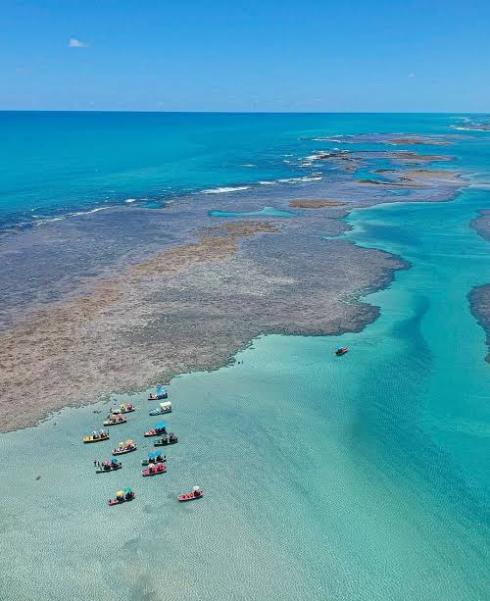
{"points": [[297, 180], [225, 189], [333, 139], [41, 220], [129, 200], [312, 178], [78, 213], [470, 128]]}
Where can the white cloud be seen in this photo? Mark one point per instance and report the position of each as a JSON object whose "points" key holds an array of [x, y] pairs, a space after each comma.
{"points": [[76, 43]]}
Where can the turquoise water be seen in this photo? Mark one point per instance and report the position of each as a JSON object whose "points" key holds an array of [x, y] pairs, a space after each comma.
{"points": [[265, 212], [362, 478], [52, 163], [57, 163]]}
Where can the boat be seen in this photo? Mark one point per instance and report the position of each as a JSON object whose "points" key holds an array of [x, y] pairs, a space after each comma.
{"points": [[160, 394], [165, 407], [114, 419], [160, 428], [123, 408], [153, 458], [168, 438], [108, 466], [342, 351], [124, 447], [195, 493], [99, 436], [121, 497], [153, 470]]}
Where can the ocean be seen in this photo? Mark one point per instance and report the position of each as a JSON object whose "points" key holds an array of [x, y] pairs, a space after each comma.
{"points": [[359, 478], [53, 164]]}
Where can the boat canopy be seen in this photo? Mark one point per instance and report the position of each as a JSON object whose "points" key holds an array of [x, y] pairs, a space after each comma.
{"points": [[160, 389], [160, 426], [128, 489], [153, 454], [166, 405], [120, 493]]}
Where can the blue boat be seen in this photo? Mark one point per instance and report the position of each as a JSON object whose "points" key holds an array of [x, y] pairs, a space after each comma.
{"points": [[153, 458], [161, 393], [108, 466]]}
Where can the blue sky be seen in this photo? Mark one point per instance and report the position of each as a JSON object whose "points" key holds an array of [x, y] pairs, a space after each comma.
{"points": [[260, 55]]}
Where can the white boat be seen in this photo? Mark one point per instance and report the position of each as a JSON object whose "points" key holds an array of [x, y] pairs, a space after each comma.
{"points": [[165, 407]]}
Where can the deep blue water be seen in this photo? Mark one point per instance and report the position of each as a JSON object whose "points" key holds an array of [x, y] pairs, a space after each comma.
{"points": [[52, 163]]}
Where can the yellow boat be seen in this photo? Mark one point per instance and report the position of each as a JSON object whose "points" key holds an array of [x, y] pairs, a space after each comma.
{"points": [[96, 437]]}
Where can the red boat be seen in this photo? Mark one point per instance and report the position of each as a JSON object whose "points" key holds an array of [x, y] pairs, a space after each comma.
{"points": [[341, 351], [196, 493], [153, 470], [122, 496], [123, 408], [114, 419]]}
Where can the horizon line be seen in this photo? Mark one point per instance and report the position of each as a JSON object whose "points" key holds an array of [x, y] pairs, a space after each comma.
{"points": [[225, 112]]}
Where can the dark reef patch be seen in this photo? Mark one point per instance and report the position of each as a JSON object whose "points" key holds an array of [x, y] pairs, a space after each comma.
{"points": [[479, 299]]}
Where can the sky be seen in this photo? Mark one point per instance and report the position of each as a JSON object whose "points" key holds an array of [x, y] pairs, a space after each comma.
{"points": [[237, 55]]}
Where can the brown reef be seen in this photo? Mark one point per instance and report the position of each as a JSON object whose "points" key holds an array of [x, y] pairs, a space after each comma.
{"points": [[418, 140], [479, 297], [186, 308], [300, 203]]}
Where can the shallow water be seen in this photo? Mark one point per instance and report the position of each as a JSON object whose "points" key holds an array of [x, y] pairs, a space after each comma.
{"points": [[359, 478], [355, 478], [265, 212]]}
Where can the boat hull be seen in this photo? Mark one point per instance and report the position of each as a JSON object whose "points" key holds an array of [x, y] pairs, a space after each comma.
{"points": [[112, 502], [189, 496], [113, 469], [116, 452]]}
